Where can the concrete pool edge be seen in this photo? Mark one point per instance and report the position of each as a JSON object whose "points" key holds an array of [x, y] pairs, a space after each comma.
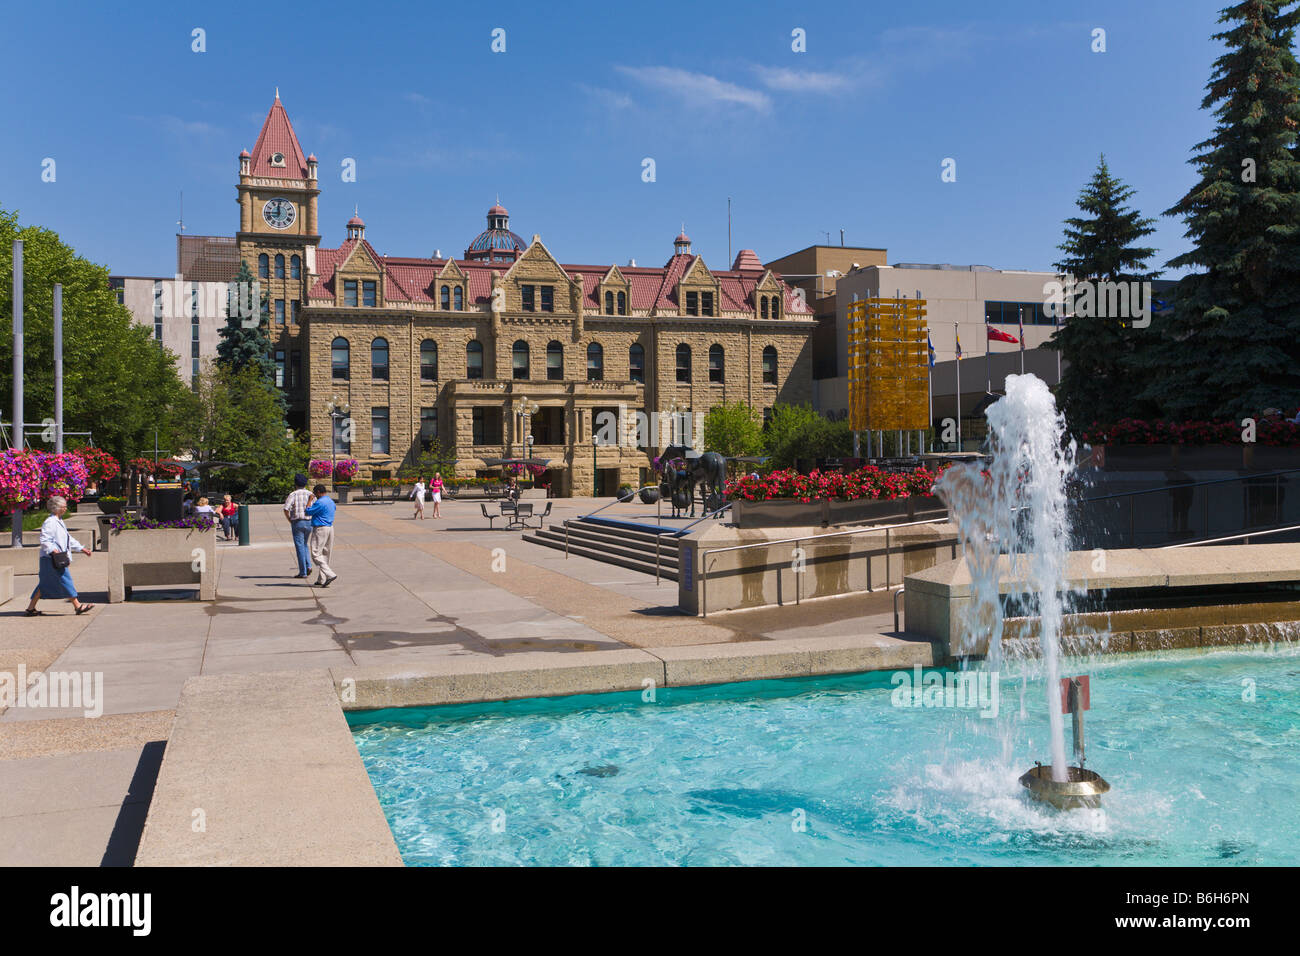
{"points": [[267, 761]]}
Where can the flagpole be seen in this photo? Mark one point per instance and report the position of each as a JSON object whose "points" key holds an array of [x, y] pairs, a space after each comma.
{"points": [[1022, 343], [957, 338], [988, 362]]}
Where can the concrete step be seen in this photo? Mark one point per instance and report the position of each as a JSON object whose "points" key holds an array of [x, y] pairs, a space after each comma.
{"points": [[668, 555], [605, 555], [617, 538]]}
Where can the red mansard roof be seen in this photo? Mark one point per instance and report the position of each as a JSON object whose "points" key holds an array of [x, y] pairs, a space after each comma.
{"points": [[415, 280], [277, 136]]}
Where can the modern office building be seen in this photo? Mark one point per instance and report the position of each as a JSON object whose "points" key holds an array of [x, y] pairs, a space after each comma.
{"points": [[962, 303]]}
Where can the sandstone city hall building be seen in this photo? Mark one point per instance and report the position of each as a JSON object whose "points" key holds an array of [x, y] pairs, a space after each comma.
{"points": [[505, 351]]}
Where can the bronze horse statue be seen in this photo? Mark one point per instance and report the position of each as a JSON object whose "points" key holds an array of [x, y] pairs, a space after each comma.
{"points": [[708, 470]]}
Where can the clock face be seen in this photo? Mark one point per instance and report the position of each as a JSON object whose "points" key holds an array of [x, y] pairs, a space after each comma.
{"points": [[279, 213]]}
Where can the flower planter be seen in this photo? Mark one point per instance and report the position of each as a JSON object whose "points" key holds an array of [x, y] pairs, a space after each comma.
{"points": [[110, 507], [342, 492], [649, 495], [792, 513], [160, 557]]}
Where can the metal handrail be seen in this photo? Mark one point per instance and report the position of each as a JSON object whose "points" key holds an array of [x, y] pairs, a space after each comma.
{"points": [[1236, 537], [711, 552]]}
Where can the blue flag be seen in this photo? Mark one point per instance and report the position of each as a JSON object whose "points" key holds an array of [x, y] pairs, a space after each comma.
{"points": [[930, 346]]}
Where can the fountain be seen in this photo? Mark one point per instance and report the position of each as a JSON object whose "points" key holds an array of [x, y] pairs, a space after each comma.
{"points": [[1017, 507]]}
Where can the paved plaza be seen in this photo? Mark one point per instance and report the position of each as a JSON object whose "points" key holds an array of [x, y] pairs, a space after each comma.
{"points": [[409, 593]]}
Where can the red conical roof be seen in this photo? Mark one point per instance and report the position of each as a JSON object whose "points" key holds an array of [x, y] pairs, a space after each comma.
{"points": [[277, 136]]}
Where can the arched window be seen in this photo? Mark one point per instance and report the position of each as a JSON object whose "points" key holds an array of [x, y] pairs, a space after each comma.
{"points": [[339, 357], [429, 360], [609, 303], [762, 307], [474, 359], [379, 358], [716, 366], [264, 266], [460, 298], [554, 362], [769, 365], [279, 267], [295, 267], [683, 363], [622, 303], [519, 359], [636, 362], [595, 362], [446, 297]]}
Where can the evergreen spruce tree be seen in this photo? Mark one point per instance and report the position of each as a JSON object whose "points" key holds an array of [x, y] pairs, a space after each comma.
{"points": [[1097, 380], [1231, 348], [240, 346]]}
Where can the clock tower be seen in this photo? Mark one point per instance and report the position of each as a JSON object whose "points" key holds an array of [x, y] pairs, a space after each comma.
{"points": [[278, 237]]}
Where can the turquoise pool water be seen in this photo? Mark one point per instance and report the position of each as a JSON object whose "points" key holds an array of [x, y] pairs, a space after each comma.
{"points": [[1202, 752]]}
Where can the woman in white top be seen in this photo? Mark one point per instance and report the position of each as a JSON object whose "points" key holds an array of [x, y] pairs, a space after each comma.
{"points": [[56, 582], [418, 495]]}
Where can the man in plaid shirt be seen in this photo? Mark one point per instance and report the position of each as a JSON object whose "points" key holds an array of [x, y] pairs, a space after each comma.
{"points": [[295, 510]]}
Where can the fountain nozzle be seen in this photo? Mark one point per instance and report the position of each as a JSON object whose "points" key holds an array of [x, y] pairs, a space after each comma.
{"points": [[1081, 789]]}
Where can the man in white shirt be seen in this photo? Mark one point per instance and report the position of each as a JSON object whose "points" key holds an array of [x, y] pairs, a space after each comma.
{"points": [[295, 511]]}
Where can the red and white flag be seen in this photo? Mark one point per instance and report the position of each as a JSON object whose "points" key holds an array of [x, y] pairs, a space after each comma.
{"points": [[997, 335]]}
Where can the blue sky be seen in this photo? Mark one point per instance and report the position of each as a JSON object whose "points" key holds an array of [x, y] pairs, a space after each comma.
{"points": [[850, 134]]}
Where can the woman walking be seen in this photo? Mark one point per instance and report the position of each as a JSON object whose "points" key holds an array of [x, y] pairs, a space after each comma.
{"points": [[418, 495], [57, 546], [436, 488]]}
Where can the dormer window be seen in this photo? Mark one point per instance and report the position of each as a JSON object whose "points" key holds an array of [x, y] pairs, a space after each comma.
{"points": [[706, 303], [277, 159], [692, 303]]}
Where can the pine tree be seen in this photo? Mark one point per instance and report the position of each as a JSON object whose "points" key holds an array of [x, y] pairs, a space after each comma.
{"points": [[243, 346], [1232, 344], [1097, 381]]}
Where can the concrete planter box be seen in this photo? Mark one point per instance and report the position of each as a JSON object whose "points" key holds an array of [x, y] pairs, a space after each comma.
{"points": [[167, 556], [764, 574], [792, 513]]}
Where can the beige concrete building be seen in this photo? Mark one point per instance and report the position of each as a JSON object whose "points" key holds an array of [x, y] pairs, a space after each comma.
{"points": [[963, 302], [814, 273], [185, 317]]}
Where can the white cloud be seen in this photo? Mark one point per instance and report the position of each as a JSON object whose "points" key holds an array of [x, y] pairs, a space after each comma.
{"points": [[802, 81], [699, 89]]}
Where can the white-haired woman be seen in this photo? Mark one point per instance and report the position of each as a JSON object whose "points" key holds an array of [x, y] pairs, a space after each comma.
{"points": [[57, 547]]}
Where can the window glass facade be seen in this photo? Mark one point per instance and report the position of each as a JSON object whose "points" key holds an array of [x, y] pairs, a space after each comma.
{"points": [[428, 427], [350, 292], [339, 358], [595, 362], [1011, 313], [474, 359], [379, 359], [519, 360], [554, 362], [428, 361], [368, 294], [716, 363], [769, 365], [636, 362], [379, 431], [683, 363]]}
